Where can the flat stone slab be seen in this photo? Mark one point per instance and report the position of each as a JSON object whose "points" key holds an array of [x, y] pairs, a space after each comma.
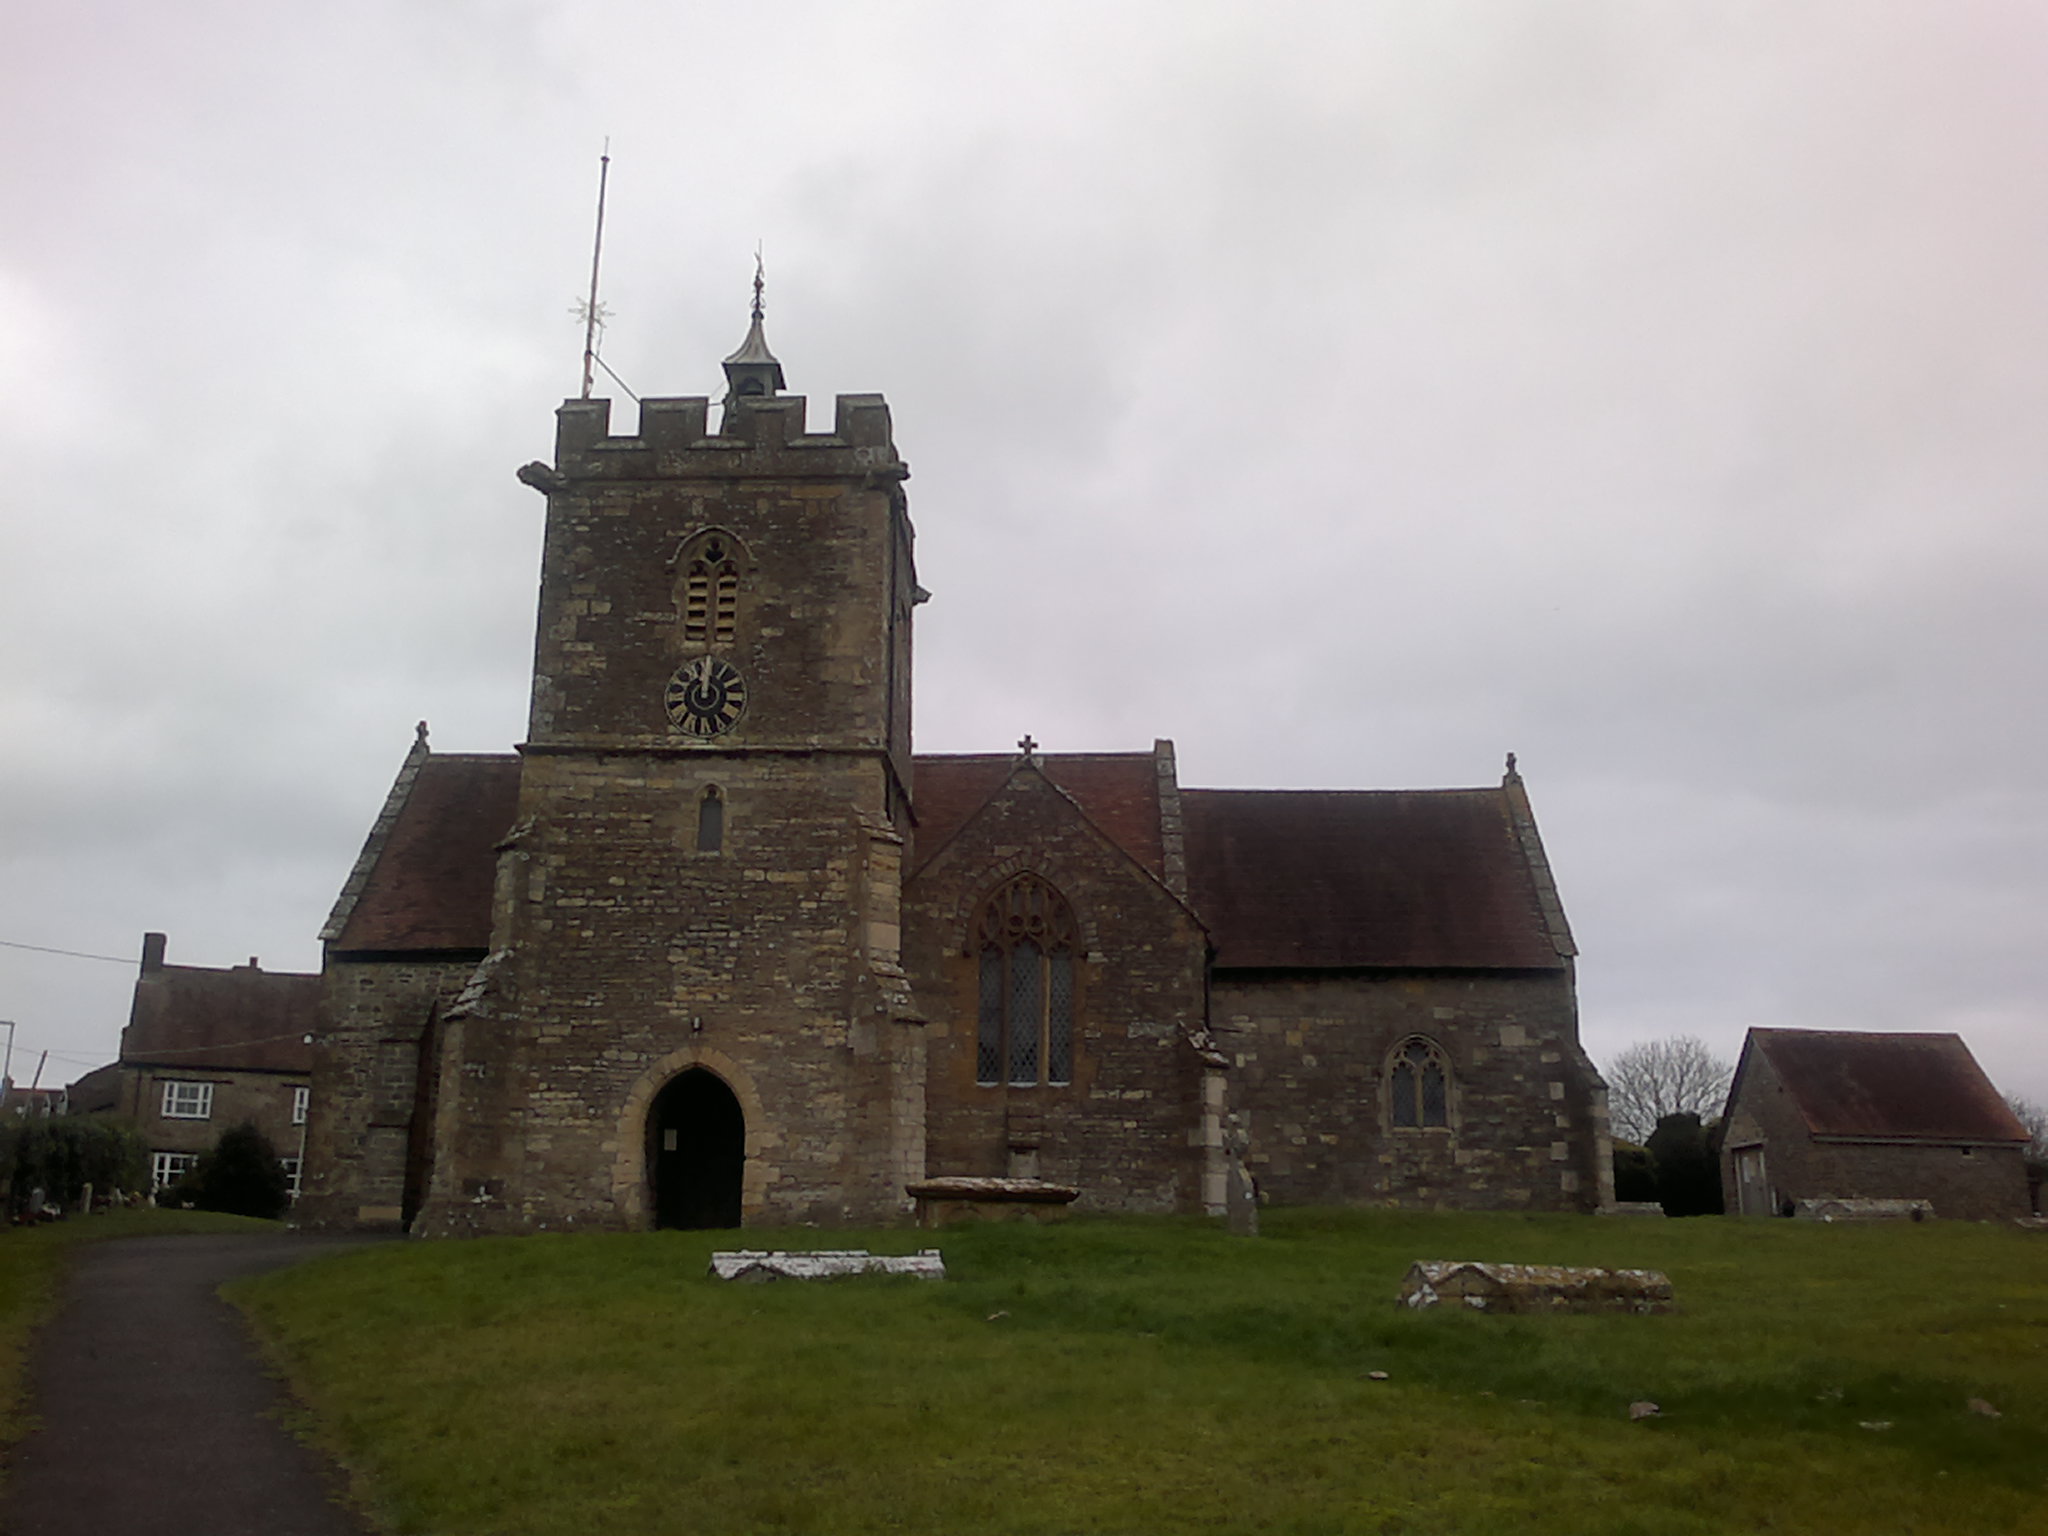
{"points": [[825, 1264], [1533, 1287], [1835, 1208], [943, 1201]]}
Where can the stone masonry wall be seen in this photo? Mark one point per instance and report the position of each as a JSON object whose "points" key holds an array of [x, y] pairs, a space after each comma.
{"points": [[622, 954], [365, 1084], [1127, 1130], [1309, 1057], [263, 1099], [1967, 1182]]}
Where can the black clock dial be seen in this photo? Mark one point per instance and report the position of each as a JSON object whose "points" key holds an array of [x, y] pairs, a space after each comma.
{"points": [[706, 696]]}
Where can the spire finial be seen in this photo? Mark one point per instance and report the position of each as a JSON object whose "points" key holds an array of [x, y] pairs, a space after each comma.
{"points": [[752, 372], [1511, 766], [1028, 747]]}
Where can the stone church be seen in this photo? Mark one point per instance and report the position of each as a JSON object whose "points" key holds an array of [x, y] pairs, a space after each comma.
{"points": [[715, 947]]}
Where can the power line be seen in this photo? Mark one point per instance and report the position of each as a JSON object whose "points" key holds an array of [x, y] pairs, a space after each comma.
{"points": [[75, 954]]}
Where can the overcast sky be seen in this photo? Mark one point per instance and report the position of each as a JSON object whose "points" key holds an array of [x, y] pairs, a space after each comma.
{"points": [[1350, 392]]}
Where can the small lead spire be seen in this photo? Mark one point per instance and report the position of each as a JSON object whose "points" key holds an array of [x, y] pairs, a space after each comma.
{"points": [[752, 372]]}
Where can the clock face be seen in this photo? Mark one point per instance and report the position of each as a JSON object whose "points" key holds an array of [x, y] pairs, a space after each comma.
{"points": [[706, 696]]}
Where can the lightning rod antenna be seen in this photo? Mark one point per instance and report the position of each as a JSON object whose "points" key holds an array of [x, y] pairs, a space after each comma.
{"points": [[590, 310]]}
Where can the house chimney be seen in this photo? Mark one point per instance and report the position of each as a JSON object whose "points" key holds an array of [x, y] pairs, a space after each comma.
{"points": [[152, 952]]}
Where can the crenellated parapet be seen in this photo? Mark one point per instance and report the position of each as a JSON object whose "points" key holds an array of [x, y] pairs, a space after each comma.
{"points": [[757, 437]]}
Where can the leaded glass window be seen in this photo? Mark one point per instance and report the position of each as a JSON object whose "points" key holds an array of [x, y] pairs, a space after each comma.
{"points": [[1025, 1030], [1419, 1085]]}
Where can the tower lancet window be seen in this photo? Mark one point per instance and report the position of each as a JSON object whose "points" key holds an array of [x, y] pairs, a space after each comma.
{"points": [[711, 821]]}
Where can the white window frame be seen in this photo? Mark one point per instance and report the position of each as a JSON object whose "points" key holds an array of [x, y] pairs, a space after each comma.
{"points": [[301, 1098], [187, 1100], [166, 1167], [291, 1167]]}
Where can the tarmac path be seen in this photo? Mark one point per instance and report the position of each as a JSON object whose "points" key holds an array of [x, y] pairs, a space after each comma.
{"points": [[157, 1418]]}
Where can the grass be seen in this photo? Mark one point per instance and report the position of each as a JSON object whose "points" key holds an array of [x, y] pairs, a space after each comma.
{"points": [[1158, 1375], [32, 1261]]}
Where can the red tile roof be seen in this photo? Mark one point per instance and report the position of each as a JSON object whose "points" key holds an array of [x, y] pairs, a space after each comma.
{"points": [[1864, 1084], [430, 885], [1334, 879], [234, 1020], [1118, 791]]}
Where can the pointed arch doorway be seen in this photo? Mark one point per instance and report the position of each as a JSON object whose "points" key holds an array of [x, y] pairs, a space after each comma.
{"points": [[696, 1152]]}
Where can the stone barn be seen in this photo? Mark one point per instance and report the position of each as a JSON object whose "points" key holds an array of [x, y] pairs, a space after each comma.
{"points": [[1816, 1114]]}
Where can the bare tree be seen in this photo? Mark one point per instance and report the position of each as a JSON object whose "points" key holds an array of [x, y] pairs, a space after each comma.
{"points": [[2035, 1119], [1655, 1078]]}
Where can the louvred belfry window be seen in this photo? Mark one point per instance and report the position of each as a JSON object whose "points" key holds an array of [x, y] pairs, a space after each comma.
{"points": [[711, 594], [1025, 1034], [1419, 1085]]}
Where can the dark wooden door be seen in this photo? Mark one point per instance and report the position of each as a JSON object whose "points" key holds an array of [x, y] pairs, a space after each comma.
{"points": [[696, 1152]]}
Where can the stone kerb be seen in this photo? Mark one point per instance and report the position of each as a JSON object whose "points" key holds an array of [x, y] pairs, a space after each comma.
{"points": [[1839, 1208], [1524, 1288]]}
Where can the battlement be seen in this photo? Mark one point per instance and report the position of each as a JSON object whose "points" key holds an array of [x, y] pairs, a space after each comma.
{"points": [[764, 436]]}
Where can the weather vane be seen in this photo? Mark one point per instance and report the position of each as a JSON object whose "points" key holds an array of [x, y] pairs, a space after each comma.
{"points": [[757, 279]]}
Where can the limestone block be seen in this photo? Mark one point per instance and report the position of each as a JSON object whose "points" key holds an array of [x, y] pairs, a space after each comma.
{"points": [[1533, 1287]]}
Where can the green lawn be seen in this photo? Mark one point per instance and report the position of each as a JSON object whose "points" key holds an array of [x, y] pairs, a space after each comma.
{"points": [[31, 1263], [1159, 1376]]}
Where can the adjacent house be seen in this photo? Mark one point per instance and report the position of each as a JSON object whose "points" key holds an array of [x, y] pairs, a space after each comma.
{"points": [[1842, 1114], [206, 1049]]}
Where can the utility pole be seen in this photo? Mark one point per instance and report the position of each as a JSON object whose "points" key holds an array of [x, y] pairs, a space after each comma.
{"points": [[7, 1067]]}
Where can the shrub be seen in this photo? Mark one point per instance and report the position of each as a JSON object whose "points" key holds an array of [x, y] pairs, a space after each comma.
{"points": [[240, 1176], [1635, 1176], [1688, 1166], [60, 1156]]}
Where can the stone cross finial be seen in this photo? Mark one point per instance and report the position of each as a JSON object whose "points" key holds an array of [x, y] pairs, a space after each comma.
{"points": [[1026, 745], [1511, 765], [419, 734]]}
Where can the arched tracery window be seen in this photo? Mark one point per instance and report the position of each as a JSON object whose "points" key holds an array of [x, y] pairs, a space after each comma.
{"points": [[1419, 1084], [1025, 1034], [711, 591]]}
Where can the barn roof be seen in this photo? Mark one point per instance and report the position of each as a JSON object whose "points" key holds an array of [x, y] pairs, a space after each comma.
{"points": [[1118, 791], [1884, 1086], [1440, 878], [244, 1019], [425, 878]]}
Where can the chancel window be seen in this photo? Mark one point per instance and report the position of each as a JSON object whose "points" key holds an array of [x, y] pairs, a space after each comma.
{"points": [[711, 592], [1025, 1033], [1419, 1085]]}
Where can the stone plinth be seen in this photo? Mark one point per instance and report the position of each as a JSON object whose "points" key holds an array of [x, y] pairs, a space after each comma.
{"points": [[940, 1201], [1533, 1288]]}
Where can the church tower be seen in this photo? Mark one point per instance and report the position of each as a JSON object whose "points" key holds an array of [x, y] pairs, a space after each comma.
{"points": [[693, 1012]]}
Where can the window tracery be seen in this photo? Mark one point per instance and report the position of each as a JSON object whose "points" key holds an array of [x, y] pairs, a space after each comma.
{"points": [[1025, 1030], [1419, 1085], [711, 591]]}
